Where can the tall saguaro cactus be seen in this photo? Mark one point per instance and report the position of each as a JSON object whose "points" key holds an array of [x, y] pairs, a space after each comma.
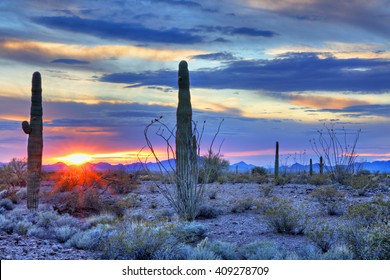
{"points": [[35, 142], [321, 165], [277, 160], [311, 168], [186, 150]]}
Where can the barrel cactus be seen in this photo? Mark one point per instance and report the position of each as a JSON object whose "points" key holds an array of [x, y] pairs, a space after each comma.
{"points": [[35, 143]]}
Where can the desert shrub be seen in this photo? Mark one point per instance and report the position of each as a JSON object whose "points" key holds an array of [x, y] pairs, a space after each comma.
{"points": [[330, 199], [299, 178], [189, 232], [324, 236], [68, 220], [266, 190], [282, 179], [243, 205], [212, 166], [258, 170], [102, 218], [318, 179], [41, 232], [339, 252], [239, 178], [305, 252], [120, 181], [369, 243], [13, 174], [6, 225], [64, 233], [132, 200], [283, 217], [202, 251], [262, 250], [224, 250], [370, 213], [6, 204], [137, 241], [363, 183], [90, 239], [208, 212], [46, 219], [22, 227]]}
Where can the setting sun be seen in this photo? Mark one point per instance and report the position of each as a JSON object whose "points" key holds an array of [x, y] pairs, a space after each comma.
{"points": [[75, 159]]}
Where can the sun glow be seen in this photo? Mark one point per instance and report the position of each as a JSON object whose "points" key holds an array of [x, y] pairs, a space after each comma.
{"points": [[76, 159]]}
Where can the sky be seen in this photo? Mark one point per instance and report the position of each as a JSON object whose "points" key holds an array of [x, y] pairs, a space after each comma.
{"points": [[271, 70]]}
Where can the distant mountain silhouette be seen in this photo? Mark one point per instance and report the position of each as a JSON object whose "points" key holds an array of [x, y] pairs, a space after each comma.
{"points": [[240, 167]]}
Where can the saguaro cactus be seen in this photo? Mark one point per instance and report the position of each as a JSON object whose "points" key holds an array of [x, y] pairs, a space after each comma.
{"points": [[186, 150], [321, 165], [277, 160], [311, 168], [35, 143]]}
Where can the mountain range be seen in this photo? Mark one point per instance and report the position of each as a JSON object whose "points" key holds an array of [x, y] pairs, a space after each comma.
{"points": [[240, 167]]}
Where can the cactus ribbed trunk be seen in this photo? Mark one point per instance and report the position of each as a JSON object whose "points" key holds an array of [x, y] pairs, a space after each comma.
{"points": [[277, 160], [186, 150], [35, 143], [321, 165], [311, 168]]}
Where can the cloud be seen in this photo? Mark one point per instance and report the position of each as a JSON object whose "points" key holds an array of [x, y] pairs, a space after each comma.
{"points": [[188, 4], [35, 52], [234, 31], [215, 56], [69, 61], [290, 72], [372, 16], [382, 110], [119, 30]]}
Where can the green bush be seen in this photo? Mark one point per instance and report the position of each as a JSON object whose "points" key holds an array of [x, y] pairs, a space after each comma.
{"points": [[283, 217], [370, 213], [369, 243], [136, 241], [330, 198], [64, 233], [324, 236], [262, 250], [363, 183], [243, 205]]}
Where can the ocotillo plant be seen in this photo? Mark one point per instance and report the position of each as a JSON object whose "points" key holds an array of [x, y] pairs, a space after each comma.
{"points": [[186, 151], [35, 143], [277, 160], [321, 165], [311, 168]]}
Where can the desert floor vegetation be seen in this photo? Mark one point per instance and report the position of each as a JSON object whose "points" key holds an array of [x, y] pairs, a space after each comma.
{"points": [[243, 216]]}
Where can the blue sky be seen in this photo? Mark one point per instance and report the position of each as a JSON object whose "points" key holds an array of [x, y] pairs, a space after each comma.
{"points": [[273, 70]]}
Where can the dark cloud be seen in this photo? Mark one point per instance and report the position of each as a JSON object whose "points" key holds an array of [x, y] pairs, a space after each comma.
{"points": [[382, 110], [118, 30], [69, 61], [9, 125], [234, 31], [290, 72], [215, 56], [188, 4]]}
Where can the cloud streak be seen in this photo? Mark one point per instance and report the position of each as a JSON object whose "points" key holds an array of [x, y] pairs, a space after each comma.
{"points": [[119, 30], [290, 72]]}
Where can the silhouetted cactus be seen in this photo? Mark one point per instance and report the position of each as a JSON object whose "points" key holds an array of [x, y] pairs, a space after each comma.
{"points": [[35, 143], [311, 168], [186, 150], [277, 160], [321, 165]]}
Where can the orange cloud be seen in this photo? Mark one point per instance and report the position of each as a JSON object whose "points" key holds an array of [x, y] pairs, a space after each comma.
{"points": [[55, 50], [322, 102]]}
